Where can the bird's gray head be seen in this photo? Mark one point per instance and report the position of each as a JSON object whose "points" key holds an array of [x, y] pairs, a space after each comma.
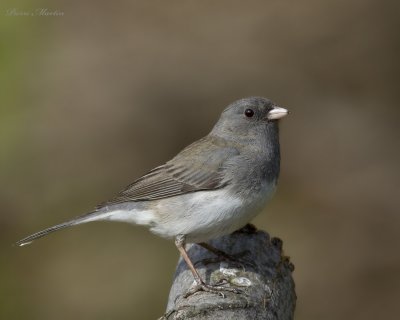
{"points": [[248, 118]]}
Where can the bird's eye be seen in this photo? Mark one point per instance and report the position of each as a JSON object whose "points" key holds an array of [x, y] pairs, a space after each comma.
{"points": [[249, 113]]}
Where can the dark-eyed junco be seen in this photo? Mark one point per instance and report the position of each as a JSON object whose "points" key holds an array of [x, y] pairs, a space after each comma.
{"points": [[211, 188]]}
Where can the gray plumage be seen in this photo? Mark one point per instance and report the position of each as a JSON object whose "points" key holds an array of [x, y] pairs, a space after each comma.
{"points": [[213, 187]]}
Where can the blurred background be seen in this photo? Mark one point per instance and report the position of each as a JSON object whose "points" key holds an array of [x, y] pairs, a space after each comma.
{"points": [[100, 92]]}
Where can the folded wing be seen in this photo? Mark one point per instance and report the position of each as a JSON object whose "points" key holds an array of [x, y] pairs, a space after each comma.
{"points": [[200, 166]]}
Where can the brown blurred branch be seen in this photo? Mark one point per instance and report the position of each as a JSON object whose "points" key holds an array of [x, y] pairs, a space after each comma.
{"points": [[265, 278]]}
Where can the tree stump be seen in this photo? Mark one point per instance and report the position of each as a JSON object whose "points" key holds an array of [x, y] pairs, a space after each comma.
{"points": [[263, 273]]}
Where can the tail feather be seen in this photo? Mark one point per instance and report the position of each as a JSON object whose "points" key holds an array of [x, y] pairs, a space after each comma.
{"points": [[45, 232]]}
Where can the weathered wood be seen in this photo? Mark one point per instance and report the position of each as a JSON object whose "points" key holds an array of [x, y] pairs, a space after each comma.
{"points": [[265, 278]]}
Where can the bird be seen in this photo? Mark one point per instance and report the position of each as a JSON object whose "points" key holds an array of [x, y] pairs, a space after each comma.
{"points": [[213, 187]]}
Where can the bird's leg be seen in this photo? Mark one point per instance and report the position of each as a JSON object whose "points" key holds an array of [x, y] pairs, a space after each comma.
{"points": [[248, 228], [221, 255], [200, 284], [180, 244]]}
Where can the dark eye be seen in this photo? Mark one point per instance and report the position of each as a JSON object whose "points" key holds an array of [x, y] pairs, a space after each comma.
{"points": [[249, 113]]}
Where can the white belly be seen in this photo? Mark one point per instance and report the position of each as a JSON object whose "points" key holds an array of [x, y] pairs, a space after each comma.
{"points": [[201, 215], [204, 215]]}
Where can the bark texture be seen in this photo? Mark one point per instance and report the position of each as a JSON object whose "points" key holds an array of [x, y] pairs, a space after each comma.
{"points": [[264, 275]]}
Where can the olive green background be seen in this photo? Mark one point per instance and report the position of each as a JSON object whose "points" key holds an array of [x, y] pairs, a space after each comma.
{"points": [[93, 99]]}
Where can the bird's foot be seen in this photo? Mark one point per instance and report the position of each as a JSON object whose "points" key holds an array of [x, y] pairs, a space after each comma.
{"points": [[217, 289]]}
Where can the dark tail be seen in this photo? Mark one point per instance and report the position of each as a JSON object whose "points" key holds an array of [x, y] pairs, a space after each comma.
{"points": [[86, 218]]}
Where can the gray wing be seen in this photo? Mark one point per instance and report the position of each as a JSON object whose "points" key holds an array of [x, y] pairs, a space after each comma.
{"points": [[200, 166]]}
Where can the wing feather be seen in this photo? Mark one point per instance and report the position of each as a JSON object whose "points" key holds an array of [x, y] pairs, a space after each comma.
{"points": [[200, 166]]}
